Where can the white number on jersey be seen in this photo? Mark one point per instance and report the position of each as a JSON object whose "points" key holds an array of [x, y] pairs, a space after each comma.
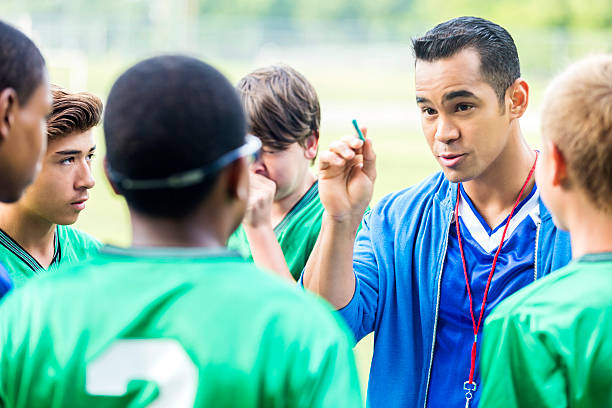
{"points": [[162, 361]]}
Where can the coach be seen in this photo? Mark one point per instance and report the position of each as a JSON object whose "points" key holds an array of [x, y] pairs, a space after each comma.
{"points": [[432, 261]]}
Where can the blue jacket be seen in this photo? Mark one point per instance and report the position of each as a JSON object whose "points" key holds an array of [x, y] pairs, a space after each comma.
{"points": [[398, 261]]}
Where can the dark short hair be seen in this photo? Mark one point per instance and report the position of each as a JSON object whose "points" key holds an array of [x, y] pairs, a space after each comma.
{"points": [[22, 66], [72, 112], [282, 107], [499, 61], [167, 115]]}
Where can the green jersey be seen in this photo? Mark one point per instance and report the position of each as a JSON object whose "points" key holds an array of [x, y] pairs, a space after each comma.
{"points": [[160, 327], [297, 233], [71, 246], [550, 344]]}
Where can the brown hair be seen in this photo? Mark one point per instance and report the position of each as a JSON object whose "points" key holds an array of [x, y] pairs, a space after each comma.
{"points": [[281, 106], [577, 118], [79, 111]]}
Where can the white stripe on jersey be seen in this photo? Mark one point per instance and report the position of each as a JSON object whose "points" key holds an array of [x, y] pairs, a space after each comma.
{"points": [[474, 222]]}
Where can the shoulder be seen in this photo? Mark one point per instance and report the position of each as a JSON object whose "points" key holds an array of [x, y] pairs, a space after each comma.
{"points": [[238, 241], [310, 206], [542, 298], [78, 238], [433, 192], [292, 311], [23, 304], [433, 187]]}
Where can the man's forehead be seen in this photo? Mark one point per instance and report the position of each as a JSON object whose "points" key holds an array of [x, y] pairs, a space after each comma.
{"points": [[447, 78], [463, 66]]}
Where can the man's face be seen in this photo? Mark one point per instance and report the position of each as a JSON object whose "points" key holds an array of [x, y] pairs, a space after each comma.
{"points": [[59, 192], [460, 114], [22, 150], [287, 168]]}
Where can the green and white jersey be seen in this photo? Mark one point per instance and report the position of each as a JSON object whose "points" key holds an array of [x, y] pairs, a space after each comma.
{"points": [[297, 233], [171, 327], [550, 344], [71, 246]]}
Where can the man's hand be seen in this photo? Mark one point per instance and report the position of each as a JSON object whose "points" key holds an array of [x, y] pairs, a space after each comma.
{"points": [[347, 171], [259, 204]]}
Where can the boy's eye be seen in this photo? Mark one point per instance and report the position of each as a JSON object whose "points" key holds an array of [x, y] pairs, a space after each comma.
{"points": [[68, 160], [90, 156], [428, 111]]}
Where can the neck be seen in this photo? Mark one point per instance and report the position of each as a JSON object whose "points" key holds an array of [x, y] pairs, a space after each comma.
{"points": [[281, 207], [495, 191], [34, 233], [202, 230], [591, 229]]}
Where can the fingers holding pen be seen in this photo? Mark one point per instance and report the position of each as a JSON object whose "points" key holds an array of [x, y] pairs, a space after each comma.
{"points": [[347, 147], [341, 153]]}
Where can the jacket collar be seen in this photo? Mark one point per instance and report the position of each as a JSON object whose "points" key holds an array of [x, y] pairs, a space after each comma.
{"points": [[447, 196]]}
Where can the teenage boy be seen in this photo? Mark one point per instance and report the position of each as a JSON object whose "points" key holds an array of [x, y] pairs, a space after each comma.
{"points": [[24, 103], [35, 236], [284, 211], [550, 345], [176, 320], [433, 259]]}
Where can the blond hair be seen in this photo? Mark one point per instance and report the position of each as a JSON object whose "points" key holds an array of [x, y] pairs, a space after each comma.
{"points": [[79, 111], [577, 118]]}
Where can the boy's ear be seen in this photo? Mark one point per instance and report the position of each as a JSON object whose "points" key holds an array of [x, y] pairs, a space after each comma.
{"points": [[311, 145], [560, 177], [519, 98], [8, 99], [237, 180]]}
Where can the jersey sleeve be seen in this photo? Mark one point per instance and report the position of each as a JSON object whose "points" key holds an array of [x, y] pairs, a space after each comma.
{"points": [[519, 365]]}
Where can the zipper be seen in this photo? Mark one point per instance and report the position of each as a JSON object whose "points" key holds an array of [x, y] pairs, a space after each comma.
{"points": [[433, 342], [535, 257]]}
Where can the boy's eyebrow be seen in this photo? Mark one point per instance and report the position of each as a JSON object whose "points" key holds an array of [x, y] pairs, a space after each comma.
{"points": [[71, 152], [420, 99]]}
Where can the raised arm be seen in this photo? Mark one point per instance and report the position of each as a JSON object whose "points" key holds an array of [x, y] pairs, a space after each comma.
{"points": [[257, 224], [347, 171]]}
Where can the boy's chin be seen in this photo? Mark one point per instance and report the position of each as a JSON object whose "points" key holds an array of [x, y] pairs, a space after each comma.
{"points": [[65, 219]]}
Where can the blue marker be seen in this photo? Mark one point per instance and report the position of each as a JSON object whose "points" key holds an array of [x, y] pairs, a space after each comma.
{"points": [[358, 130]]}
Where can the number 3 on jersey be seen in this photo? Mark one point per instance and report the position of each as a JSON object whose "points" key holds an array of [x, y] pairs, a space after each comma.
{"points": [[162, 361]]}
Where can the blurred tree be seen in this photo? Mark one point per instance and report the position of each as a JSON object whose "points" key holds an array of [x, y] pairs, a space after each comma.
{"points": [[565, 14]]}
